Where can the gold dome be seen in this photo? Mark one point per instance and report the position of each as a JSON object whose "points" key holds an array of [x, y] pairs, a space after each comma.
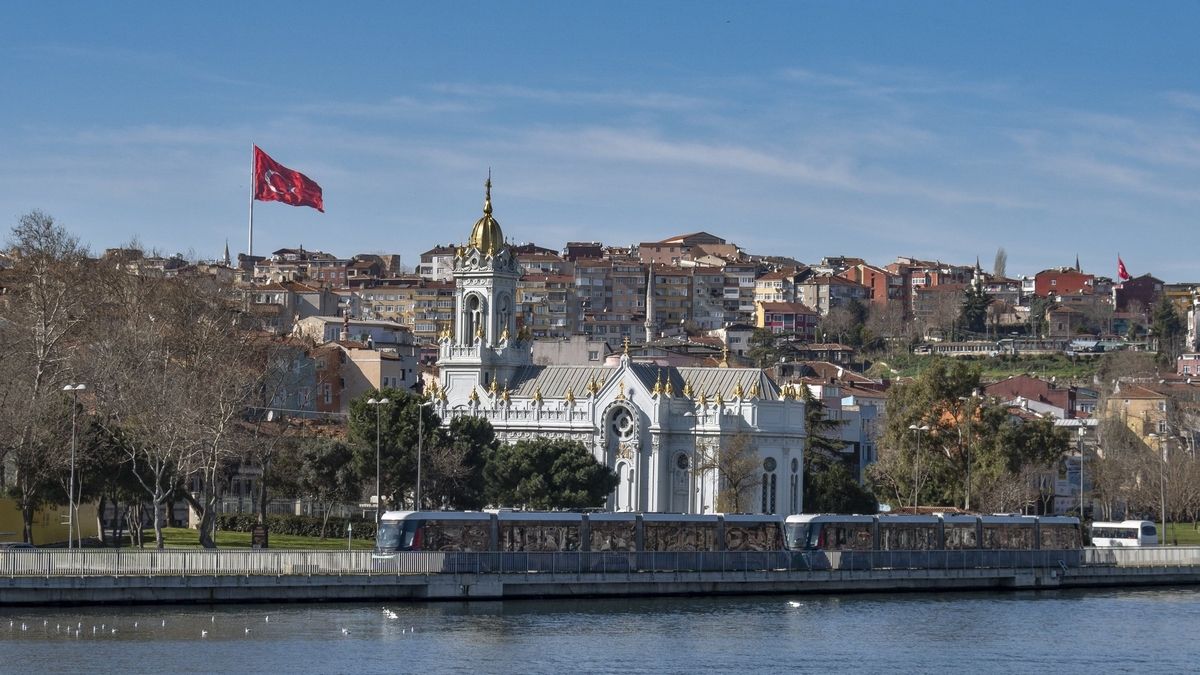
{"points": [[486, 235]]}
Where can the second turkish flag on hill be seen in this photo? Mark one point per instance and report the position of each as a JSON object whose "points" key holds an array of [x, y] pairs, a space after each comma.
{"points": [[274, 182]]}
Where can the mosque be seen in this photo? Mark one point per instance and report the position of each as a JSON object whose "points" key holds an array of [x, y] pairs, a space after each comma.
{"points": [[656, 426]]}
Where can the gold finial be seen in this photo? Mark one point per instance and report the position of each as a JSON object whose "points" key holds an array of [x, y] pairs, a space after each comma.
{"points": [[491, 250], [657, 384], [669, 389], [593, 387], [474, 397], [504, 335], [504, 395], [754, 391], [687, 388], [738, 391], [703, 399], [493, 387], [625, 342], [621, 390], [479, 331], [725, 356], [537, 394], [442, 395], [718, 399], [570, 396]]}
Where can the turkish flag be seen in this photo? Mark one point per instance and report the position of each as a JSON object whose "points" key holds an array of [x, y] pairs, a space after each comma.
{"points": [[1122, 273], [274, 182]]}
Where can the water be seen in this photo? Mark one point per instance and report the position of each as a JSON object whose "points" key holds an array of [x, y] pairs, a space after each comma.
{"points": [[1064, 631]]}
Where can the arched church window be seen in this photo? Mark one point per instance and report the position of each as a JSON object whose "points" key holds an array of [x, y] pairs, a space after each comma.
{"points": [[769, 485], [681, 462]]}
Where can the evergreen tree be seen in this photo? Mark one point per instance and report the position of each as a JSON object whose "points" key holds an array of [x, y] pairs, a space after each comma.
{"points": [[1168, 330], [547, 473]]}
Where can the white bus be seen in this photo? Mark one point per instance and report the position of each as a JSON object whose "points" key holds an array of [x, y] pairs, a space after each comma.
{"points": [[1125, 533]]}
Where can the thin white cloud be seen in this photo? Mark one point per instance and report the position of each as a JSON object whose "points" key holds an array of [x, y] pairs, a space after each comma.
{"points": [[566, 97]]}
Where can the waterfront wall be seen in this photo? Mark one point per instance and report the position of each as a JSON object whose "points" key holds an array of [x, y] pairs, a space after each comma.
{"points": [[312, 576]]}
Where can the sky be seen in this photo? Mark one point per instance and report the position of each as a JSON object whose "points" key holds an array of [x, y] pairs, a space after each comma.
{"points": [[935, 130]]}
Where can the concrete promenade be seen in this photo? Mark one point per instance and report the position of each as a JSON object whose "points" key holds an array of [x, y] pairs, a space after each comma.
{"points": [[311, 582]]}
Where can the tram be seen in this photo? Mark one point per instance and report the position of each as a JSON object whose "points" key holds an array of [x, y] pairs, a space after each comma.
{"points": [[532, 541], [943, 540]]}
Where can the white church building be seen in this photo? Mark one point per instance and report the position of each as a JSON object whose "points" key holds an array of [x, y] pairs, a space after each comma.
{"points": [[651, 424]]}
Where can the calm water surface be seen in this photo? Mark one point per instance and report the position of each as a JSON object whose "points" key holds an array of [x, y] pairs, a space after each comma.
{"points": [[1066, 631]]}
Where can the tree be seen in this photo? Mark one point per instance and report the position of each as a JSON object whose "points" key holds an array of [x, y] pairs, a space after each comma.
{"points": [[1000, 266], [829, 485], [547, 473], [973, 315], [834, 490], [1037, 316], [398, 425], [1169, 330], [736, 468], [326, 475], [455, 474], [168, 364], [938, 459], [765, 346], [41, 321]]}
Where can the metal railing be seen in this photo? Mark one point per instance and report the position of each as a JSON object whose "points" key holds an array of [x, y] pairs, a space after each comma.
{"points": [[243, 562], [1143, 556]]}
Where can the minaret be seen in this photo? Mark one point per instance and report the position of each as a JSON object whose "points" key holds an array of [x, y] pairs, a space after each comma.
{"points": [[650, 304]]}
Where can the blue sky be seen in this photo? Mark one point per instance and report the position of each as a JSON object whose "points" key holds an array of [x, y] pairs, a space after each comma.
{"points": [[937, 130]]}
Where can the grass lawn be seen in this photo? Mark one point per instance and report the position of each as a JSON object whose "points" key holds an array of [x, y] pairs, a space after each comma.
{"points": [[182, 537], [1183, 534]]}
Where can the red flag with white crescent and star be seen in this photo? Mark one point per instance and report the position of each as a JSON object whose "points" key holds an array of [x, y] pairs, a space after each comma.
{"points": [[274, 182], [1122, 273]]}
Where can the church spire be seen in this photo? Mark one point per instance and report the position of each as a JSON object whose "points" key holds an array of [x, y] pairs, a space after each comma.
{"points": [[225, 260]]}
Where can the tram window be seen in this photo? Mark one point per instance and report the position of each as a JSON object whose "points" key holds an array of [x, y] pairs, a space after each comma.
{"points": [[679, 536], [755, 537], [1148, 530], [907, 537], [959, 537], [1059, 537], [526, 536], [453, 535], [1007, 537], [613, 536]]}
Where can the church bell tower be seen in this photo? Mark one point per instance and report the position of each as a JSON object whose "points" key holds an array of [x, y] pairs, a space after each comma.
{"points": [[483, 344]]}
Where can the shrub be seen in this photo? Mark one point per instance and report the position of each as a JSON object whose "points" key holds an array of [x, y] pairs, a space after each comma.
{"points": [[300, 526]]}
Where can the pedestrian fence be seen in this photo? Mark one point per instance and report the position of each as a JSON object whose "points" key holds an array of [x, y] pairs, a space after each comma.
{"points": [[280, 562]]}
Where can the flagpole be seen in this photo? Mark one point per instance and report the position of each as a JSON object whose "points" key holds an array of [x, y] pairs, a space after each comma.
{"points": [[250, 244]]}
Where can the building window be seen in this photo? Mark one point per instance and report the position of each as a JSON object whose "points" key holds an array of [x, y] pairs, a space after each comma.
{"points": [[593, 355]]}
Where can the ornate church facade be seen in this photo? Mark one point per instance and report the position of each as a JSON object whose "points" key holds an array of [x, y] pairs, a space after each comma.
{"points": [[657, 427]]}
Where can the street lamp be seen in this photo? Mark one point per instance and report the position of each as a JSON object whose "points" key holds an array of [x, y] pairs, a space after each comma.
{"points": [[967, 449], [917, 458], [376, 403], [420, 443], [74, 389], [1160, 443], [1082, 433]]}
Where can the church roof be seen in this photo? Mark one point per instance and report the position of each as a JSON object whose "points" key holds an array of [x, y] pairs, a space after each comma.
{"points": [[554, 381]]}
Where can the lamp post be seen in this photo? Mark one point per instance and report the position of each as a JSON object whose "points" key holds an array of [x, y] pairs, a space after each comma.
{"points": [[74, 389], [917, 458], [970, 412], [420, 443], [1160, 443], [376, 403], [1082, 433]]}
